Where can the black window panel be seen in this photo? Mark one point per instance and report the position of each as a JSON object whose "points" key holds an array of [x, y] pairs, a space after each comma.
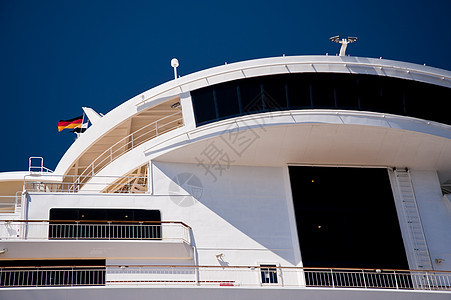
{"points": [[146, 215], [346, 91], [323, 91], [64, 214], [417, 100], [203, 105], [60, 229], [227, 100], [440, 96], [251, 96], [428, 102], [268, 273], [299, 91], [342, 225], [393, 96], [92, 214], [370, 94], [105, 214], [120, 214], [52, 263], [274, 94]]}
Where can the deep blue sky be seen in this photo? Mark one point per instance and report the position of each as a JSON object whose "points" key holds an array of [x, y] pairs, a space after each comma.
{"points": [[57, 56]]}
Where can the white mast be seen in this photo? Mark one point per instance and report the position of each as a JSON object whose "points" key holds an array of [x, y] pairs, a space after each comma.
{"points": [[344, 43], [175, 64]]}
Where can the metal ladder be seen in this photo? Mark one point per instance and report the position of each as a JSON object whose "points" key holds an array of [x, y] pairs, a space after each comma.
{"points": [[412, 217]]}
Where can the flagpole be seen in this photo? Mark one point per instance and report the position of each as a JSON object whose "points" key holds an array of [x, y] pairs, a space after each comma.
{"points": [[81, 128]]}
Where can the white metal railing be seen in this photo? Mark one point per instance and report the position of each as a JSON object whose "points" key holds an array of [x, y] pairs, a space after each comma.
{"points": [[10, 204], [7, 202], [32, 168], [248, 276], [130, 142], [280, 276], [94, 230], [72, 184], [52, 276]]}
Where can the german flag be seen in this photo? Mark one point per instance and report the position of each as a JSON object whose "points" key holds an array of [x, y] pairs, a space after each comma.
{"points": [[70, 124]]}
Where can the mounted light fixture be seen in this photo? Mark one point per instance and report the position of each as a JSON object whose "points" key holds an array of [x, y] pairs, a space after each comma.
{"points": [[175, 105]]}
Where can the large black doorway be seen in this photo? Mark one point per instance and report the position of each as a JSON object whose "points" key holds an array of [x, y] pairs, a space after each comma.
{"points": [[346, 218]]}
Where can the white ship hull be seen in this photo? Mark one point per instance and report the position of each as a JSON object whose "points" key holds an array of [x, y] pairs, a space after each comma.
{"points": [[292, 177]]}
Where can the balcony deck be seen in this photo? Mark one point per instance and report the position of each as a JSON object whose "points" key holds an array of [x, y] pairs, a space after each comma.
{"points": [[226, 276], [45, 239]]}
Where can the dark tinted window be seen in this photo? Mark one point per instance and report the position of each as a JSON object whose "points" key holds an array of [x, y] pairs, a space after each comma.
{"points": [[268, 273], [227, 100], [275, 93], [392, 96], [93, 214], [75, 224], [322, 91], [299, 91], [251, 96], [370, 94], [346, 91], [204, 106]]}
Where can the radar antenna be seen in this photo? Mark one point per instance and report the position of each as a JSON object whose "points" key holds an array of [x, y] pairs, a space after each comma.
{"points": [[344, 43]]}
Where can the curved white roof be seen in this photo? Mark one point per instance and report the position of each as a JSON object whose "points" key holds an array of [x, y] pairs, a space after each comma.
{"points": [[247, 69]]}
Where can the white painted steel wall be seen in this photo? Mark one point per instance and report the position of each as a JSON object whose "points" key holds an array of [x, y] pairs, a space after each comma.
{"points": [[435, 213], [246, 213], [218, 293]]}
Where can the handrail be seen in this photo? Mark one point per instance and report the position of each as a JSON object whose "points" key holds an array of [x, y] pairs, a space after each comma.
{"points": [[12, 205], [57, 230], [41, 167], [53, 267], [95, 221], [304, 277], [68, 176], [278, 267], [234, 267], [230, 276], [74, 185], [346, 64], [133, 140]]}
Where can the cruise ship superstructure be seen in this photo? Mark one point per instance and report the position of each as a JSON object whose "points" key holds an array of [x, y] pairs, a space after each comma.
{"points": [[292, 176]]}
